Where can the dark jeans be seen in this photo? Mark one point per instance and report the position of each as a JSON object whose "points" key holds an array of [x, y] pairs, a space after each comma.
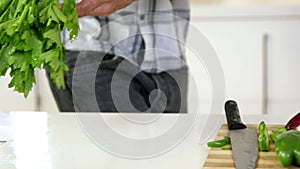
{"points": [[98, 83]]}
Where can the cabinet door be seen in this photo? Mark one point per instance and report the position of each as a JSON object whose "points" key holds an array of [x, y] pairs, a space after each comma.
{"points": [[283, 52], [239, 47], [256, 67]]}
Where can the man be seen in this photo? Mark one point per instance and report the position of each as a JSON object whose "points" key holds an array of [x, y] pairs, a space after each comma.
{"points": [[128, 57]]}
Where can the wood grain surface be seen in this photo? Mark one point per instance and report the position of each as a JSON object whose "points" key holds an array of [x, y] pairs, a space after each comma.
{"points": [[223, 159]]}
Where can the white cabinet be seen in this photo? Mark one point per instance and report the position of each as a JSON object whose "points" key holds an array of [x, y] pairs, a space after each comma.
{"points": [[238, 38], [284, 66], [13, 101], [39, 99], [239, 48], [46, 99]]}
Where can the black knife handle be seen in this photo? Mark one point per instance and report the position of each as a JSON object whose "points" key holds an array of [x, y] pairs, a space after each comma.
{"points": [[233, 116]]}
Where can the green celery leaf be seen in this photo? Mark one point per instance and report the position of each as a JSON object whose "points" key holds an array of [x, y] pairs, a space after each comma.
{"points": [[20, 7], [3, 61], [43, 15], [57, 66], [22, 81], [30, 38], [4, 5], [53, 35], [69, 9], [20, 61], [60, 15], [10, 26], [52, 14]]}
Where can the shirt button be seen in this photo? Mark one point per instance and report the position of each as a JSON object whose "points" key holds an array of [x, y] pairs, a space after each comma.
{"points": [[142, 17]]}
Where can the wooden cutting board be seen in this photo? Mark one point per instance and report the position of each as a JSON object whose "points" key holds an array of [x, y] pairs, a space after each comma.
{"points": [[222, 159]]}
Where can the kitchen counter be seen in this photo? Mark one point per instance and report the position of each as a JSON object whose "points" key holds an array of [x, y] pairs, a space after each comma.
{"points": [[71, 141]]}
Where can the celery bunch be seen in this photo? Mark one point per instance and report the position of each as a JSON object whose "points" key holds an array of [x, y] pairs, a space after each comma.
{"points": [[30, 38]]}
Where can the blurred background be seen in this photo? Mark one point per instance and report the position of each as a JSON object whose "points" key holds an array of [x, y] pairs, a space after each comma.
{"points": [[257, 43]]}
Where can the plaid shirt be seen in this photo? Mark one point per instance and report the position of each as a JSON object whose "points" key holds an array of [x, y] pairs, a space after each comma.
{"points": [[150, 33]]}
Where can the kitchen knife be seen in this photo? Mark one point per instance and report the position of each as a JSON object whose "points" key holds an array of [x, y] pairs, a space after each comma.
{"points": [[243, 140]]}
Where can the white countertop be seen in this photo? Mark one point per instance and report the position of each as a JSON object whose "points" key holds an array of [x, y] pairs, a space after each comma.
{"points": [[64, 141]]}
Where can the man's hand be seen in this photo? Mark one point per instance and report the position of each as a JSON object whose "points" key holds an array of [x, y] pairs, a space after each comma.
{"points": [[100, 7]]}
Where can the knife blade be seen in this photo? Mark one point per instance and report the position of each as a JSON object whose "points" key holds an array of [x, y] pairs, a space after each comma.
{"points": [[244, 140]]}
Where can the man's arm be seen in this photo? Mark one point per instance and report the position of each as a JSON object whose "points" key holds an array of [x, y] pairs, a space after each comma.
{"points": [[100, 7]]}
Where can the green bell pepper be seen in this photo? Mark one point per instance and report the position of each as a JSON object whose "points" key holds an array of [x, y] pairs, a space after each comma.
{"points": [[276, 133], [227, 147], [287, 147], [219, 143], [263, 138]]}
